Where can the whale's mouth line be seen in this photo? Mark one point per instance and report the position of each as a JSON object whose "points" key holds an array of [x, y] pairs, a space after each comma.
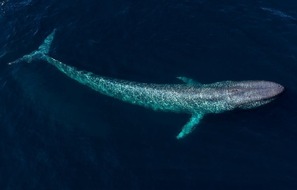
{"points": [[255, 104]]}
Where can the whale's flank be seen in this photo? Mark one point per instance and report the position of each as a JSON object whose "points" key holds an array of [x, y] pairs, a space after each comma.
{"points": [[190, 97]]}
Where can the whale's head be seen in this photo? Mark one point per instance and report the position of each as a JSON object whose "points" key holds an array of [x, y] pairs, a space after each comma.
{"points": [[251, 94]]}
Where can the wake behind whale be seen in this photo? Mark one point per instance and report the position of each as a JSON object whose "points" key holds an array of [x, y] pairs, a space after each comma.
{"points": [[190, 97]]}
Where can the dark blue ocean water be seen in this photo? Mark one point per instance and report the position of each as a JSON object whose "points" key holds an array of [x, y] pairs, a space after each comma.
{"points": [[57, 134]]}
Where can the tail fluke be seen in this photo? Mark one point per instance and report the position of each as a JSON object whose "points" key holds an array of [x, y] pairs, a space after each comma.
{"points": [[42, 50], [46, 45]]}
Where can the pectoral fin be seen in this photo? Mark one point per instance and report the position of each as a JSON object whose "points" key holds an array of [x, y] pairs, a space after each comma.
{"points": [[188, 81], [190, 126]]}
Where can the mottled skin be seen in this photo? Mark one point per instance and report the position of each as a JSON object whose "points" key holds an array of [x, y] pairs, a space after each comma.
{"points": [[189, 97]]}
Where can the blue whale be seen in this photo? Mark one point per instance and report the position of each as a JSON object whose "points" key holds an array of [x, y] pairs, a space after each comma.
{"points": [[190, 97]]}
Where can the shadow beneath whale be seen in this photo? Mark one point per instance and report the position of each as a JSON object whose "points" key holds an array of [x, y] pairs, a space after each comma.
{"points": [[53, 95]]}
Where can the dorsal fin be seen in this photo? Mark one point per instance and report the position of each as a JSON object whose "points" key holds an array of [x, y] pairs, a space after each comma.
{"points": [[189, 81]]}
